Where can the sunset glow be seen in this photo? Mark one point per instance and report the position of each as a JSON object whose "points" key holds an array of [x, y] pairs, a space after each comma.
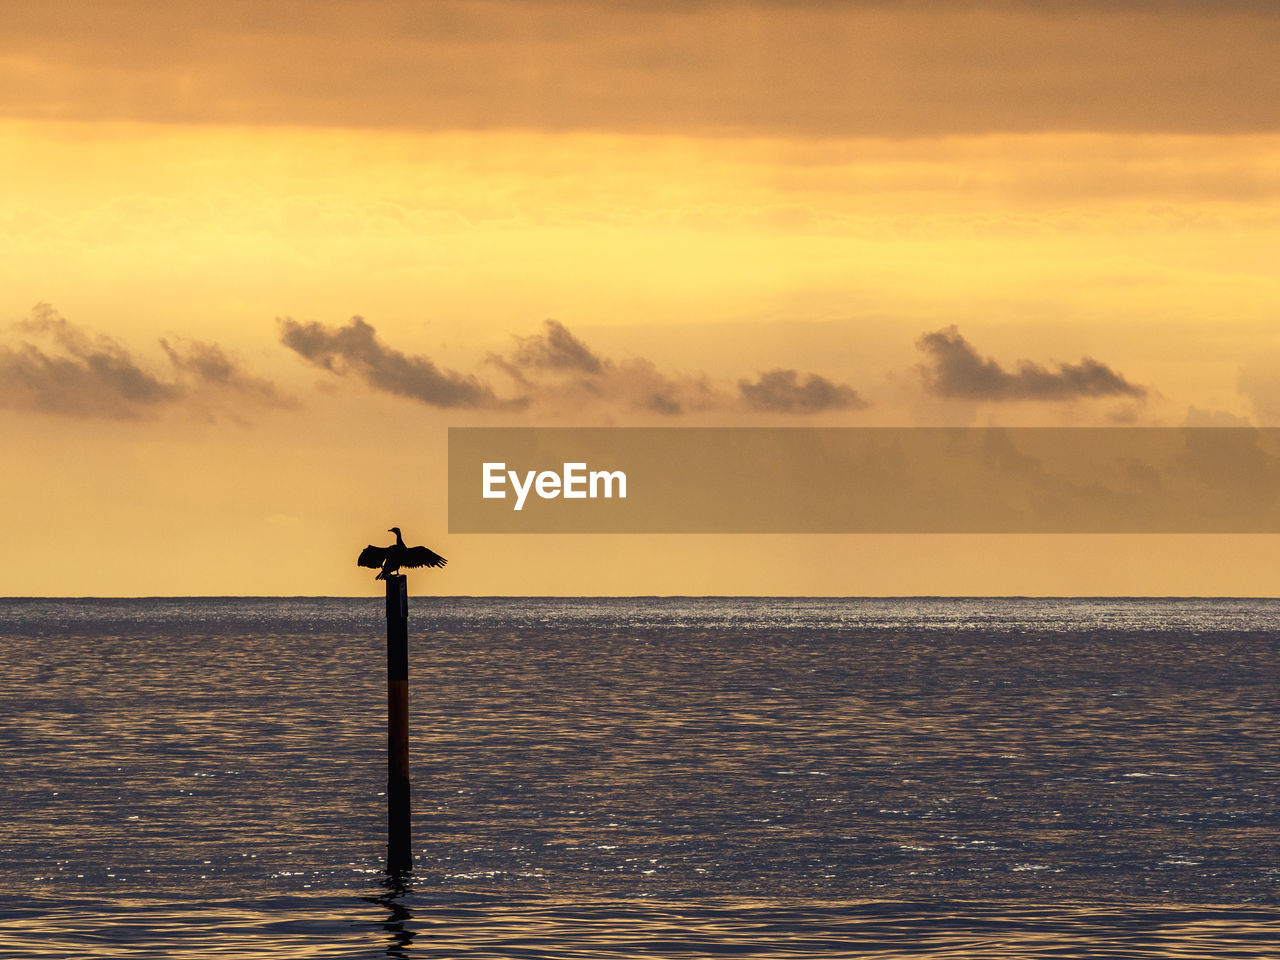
{"points": [[697, 195]]}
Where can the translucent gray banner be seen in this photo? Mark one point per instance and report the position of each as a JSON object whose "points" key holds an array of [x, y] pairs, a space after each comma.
{"points": [[864, 480]]}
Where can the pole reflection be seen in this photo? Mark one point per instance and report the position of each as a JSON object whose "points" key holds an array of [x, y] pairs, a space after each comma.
{"points": [[395, 890]]}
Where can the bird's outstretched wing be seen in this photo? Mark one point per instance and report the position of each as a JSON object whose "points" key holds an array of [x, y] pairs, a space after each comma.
{"points": [[372, 556], [421, 557]]}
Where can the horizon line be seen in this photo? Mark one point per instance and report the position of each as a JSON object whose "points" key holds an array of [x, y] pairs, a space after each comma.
{"points": [[656, 596]]}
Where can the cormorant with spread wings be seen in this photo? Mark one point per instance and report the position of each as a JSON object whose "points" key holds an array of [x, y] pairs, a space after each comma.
{"points": [[392, 558]]}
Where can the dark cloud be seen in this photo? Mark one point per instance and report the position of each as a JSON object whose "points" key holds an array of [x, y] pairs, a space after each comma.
{"points": [[355, 349], [781, 391], [71, 373], [958, 371], [554, 370], [555, 349], [557, 368], [554, 367], [756, 67]]}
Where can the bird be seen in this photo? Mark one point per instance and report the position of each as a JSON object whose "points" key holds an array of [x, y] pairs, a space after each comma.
{"points": [[392, 558]]}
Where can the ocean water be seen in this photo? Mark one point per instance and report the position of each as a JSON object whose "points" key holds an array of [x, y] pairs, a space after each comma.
{"points": [[643, 777]]}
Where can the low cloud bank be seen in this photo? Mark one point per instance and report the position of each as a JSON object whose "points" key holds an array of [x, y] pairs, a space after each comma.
{"points": [[956, 370], [356, 350], [58, 368], [782, 391], [553, 368]]}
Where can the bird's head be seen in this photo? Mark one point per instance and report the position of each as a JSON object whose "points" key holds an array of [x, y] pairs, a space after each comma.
{"points": [[395, 530]]}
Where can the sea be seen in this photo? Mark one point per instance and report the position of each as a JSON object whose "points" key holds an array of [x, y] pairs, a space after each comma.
{"points": [[643, 777]]}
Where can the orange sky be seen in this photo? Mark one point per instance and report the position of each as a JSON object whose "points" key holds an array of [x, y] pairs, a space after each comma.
{"points": [[698, 194]]}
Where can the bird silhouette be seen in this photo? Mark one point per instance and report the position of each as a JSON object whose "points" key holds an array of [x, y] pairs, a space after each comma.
{"points": [[392, 558]]}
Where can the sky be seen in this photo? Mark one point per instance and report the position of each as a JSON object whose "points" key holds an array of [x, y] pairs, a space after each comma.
{"points": [[256, 258]]}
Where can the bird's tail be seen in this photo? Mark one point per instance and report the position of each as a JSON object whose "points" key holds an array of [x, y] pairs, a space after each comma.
{"points": [[382, 575]]}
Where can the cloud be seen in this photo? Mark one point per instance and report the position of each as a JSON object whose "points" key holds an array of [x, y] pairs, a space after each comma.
{"points": [[77, 375], [553, 370], [958, 371], [556, 349], [780, 391], [757, 67], [356, 349], [556, 368], [208, 365]]}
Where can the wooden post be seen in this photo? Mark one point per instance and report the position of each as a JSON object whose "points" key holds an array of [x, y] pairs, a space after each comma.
{"points": [[399, 844]]}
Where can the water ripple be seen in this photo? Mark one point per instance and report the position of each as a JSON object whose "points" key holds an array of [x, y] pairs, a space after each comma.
{"points": [[643, 777]]}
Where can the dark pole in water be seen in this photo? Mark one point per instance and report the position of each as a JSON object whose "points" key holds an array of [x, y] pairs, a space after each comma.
{"points": [[399, 844]]}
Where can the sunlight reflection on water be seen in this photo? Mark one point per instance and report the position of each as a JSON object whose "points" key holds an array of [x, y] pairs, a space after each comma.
{"points": [[658, 777], [407, 925]]}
